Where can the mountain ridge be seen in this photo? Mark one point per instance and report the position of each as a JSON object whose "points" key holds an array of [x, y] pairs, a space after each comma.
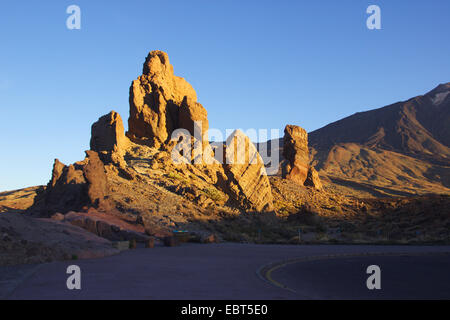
{"points": [[403, 147], [406, 127]]}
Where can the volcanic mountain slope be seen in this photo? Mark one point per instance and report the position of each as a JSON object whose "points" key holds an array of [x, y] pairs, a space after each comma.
{"points": [[400, 149]]}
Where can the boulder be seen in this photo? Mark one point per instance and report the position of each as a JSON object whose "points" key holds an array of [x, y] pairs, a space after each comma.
{"points": [[57, 217], [170, 241], [210, 238], [133, 244], [247, 181], [150, 243], [121, 245], [106, 226], [312, 179]]}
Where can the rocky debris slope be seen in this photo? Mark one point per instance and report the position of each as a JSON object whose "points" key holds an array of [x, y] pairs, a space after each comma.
{"points": [[296, 153]]}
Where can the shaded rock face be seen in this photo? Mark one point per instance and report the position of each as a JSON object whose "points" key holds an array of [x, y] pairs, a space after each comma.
{"points": [[67, 189], [156, 98], [109, 141], [108, 135], [74, 187], [296, 153], [192, 115], [97, 183], [247, 182]]}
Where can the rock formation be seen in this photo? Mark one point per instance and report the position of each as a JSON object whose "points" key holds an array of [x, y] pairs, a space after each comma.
{"points": [[106, 226], [74, 187], [108, 137], [161, 102], [192, 115], [247, 180], [97, 183], [312, 179], [296, 154]]}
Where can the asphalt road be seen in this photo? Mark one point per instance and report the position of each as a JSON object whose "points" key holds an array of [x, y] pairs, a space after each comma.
{"points": [[240, 271], [402, 277]]}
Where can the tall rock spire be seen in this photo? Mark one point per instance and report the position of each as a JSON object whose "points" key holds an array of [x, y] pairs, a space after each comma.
{"points": [[161, 102]]}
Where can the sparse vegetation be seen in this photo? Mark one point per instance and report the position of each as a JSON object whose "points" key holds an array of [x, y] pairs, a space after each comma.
{"points": [[213, 194], [175, 176]]}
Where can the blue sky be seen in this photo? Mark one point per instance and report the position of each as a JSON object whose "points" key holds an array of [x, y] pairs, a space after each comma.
{"points": [[254, 64]]}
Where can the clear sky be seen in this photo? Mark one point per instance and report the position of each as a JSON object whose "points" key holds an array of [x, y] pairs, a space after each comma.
{"points": [[254, 64]]}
